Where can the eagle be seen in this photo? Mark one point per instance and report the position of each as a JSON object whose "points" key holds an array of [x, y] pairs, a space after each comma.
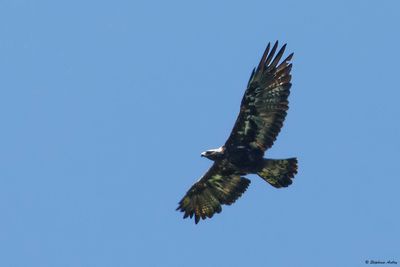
{"points": [[262, 112]]}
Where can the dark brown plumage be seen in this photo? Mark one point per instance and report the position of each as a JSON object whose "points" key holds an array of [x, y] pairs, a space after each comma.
{"points": [[262, 112]]}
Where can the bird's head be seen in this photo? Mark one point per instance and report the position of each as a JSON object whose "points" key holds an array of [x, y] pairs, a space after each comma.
{"points": [[214, 154]]}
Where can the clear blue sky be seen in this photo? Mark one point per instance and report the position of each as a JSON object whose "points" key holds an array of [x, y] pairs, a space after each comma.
{"points": [[105, 107]]}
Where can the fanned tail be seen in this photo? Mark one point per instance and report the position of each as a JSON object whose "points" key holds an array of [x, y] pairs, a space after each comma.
{"points": [[279, 172]]}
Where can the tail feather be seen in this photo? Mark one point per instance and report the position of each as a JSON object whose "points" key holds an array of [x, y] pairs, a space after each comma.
{"points": [[279, 172]]}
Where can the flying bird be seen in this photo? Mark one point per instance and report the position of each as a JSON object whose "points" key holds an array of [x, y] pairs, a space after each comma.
{"points": [[262, 112]]}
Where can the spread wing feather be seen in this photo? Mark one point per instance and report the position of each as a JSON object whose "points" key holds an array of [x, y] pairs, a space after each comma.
{"points": [[214, 189], [264, 104]]}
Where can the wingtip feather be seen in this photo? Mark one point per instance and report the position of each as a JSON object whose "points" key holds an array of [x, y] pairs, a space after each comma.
{"points": [[262, 61]]}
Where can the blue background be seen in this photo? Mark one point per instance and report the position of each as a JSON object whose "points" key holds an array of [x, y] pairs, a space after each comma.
{"points": [[105, 107]]}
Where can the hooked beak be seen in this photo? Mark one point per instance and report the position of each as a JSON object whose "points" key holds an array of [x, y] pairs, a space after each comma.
{"points": [[203, 154]]}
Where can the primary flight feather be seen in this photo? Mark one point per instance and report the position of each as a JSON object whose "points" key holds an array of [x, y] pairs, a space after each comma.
{"points": [[262, 112]]}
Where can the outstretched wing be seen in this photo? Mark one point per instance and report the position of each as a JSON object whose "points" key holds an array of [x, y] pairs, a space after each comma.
{"points": [[264, 104], [215, 188]]}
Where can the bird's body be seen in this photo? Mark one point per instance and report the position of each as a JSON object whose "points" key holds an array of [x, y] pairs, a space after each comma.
{"points": [[262, 112]]}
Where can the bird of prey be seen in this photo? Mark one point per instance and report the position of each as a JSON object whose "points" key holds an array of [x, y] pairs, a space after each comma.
{"points": [[262, 112]]}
